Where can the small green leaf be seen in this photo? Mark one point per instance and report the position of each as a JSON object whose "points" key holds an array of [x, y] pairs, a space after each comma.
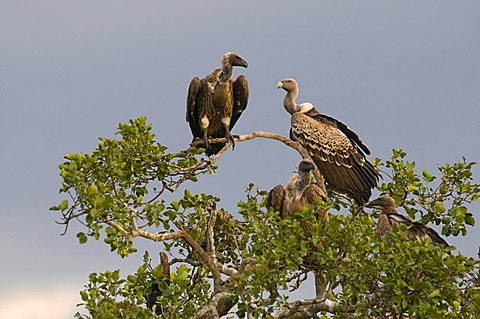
{"points": [[132, 278], [63, 205], [469, 220], [439, 208], [176, 205], [92, 190], [427, 177], [434, 293], [84, 295], [82, 238], [182, 273]]}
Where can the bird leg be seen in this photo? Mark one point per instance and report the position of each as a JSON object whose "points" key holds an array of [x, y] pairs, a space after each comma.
{"points": [[228, 136], [204, 123], [205, 139]]}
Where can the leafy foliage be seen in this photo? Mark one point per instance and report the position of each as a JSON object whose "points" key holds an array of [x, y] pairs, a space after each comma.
{"points": [[442, 200], [252, 259]]}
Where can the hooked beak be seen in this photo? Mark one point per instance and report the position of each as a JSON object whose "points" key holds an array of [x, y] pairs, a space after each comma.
{"points": [[242, 63], [280, 85]]}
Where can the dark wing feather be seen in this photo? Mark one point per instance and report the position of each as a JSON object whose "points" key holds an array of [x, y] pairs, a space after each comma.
{"points": [[240, 99], [435, 237], [192, 107], [276, 199], [416, 230], [341, 163]]}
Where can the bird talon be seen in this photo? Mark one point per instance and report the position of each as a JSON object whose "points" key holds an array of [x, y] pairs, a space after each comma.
{"points": [[231, 138]]}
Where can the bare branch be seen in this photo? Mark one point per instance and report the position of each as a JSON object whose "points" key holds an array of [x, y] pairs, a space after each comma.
{"points": [[273, 136], [306, 308]]}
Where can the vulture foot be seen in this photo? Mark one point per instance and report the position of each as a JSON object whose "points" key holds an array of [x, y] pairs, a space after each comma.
{"points": [[230, 138]]}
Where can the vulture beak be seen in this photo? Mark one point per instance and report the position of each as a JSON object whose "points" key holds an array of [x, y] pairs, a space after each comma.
{"points": [[241, 62], [280, 85]]}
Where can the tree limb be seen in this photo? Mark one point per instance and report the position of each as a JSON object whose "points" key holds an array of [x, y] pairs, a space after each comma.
{"points": [[273, 136]]}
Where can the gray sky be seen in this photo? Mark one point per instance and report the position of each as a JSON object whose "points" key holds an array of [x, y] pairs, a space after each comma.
{"points": [[403, 74]]}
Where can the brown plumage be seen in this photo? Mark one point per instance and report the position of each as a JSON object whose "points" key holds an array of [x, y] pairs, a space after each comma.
{"points": [[297, 195], [215, 102], [338, 152], [390, 218]]}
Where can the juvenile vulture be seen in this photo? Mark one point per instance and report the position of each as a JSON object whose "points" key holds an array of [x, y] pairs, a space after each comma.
{"points": [[338, 152], [298, 194], [215, 102], [390, 218]]}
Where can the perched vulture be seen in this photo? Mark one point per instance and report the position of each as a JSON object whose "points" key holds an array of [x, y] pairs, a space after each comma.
{"points": [[215, 102], [390, 218], [298, 193], [337, 151]]}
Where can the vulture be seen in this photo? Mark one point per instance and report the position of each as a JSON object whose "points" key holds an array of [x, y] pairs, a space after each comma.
{"points": [[298, 194], [215, 103], [390, 218], [338, 152]]}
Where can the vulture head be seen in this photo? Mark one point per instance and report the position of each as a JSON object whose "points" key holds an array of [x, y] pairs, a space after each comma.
{"points": [[233, 59], [384, 202], [288, 85], [305, 166]]}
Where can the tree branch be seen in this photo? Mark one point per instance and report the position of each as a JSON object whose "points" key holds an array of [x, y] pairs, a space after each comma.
{"points": [[219, 306], [307, 308], [217, 279], [273, 136]]}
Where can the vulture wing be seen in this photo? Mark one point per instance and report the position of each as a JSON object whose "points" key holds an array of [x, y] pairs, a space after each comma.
{"points": [[312, 193], [345, 168], [276, 199], [417, 230], [352, 136], [192, 114], [435, 237], [240, 99]]}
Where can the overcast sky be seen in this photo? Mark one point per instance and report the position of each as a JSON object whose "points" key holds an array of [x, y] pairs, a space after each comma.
{"points": [[402, 74]]}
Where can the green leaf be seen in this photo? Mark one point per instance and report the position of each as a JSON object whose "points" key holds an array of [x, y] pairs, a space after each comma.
{"points": [[182, 273], [439, 207], [82, 238], [434, 293], [469, 220], [84, 295], [63, 205], [427, 177]]}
